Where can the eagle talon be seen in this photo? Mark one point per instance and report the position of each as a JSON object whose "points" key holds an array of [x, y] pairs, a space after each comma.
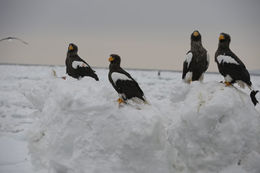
{"points": [[227, 83], [120, 101]]}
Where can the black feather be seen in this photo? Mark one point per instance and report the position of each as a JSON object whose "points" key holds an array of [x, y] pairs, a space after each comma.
{"points": [[79, 72], [199, 62], [237, 71], [253, 98], [127, 88], [130, 89], [185, 69]]}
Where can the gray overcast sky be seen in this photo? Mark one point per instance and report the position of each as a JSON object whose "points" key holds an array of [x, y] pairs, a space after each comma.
{"points": [[145, 33]]}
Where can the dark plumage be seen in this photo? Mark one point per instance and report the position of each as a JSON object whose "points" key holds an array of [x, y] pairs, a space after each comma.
{"points": [[77, 67], [231, 67], [122, 81], [197, 60]]}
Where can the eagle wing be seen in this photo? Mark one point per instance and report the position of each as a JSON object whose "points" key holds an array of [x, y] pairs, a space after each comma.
{"points": [[126, 85], [235, 68], [186, 64]]}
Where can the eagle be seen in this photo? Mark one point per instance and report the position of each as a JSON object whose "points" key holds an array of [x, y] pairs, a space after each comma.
{"points": [[77, 67], [231, 67], [122, 82], [196, 61]]}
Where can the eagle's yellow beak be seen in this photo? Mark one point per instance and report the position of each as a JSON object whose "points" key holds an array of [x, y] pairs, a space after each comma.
{"points": [[110, 59], [221, 37], [196, 33], [70, 47]]}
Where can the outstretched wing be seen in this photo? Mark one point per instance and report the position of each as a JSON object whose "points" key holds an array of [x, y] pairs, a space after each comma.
{"points": [[15, 38], [21, 40], [4, 39]]}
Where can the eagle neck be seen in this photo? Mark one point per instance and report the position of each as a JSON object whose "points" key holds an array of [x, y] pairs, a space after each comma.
{"points": [[71, 53], [114, 67], [224, 47], [196, 45]]}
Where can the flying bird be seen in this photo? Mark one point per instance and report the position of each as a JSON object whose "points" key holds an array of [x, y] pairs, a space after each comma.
{"points": [[231, 67], [77, 67], [14, 38], [196, 61], [123, 83]]}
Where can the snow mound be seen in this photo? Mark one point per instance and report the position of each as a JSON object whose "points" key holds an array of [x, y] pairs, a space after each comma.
{"points": [[207, 128], [219, 127]]}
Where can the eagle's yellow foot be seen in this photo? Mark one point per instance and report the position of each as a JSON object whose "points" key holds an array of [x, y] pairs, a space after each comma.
{"points": [[120, 101], [227, 83]]}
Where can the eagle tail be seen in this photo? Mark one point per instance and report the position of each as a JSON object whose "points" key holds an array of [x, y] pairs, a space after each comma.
{"points": [[253, 98], [94, 75], [87, 71]]}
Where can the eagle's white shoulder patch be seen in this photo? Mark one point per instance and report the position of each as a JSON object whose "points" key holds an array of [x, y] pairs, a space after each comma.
{"points": [[226, 59], [76, 64], [119, 76], [208, 58], [188, 58]]}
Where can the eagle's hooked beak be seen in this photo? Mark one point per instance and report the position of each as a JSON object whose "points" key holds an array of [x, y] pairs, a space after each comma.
{"points": [[196, 33], [71, 47], [221, 37], [110, 59]]}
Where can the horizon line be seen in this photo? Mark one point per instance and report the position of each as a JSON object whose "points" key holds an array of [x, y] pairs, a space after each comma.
{"points": [[255, 72]]}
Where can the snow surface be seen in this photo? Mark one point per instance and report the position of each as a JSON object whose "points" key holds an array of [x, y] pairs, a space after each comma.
{"points": [[76, 125]]}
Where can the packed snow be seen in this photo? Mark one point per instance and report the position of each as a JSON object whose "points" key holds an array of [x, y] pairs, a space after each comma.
{"points": [[75, 126]]}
